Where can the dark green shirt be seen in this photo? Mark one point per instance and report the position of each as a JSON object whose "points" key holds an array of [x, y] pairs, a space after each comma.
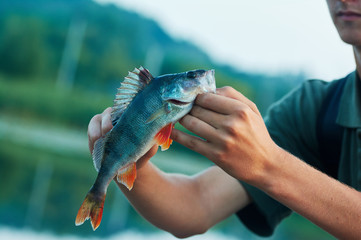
{"points": [[291, 123]]}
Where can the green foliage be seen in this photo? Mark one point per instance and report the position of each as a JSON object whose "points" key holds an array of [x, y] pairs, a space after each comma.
{"points": [[47, 103], [21, 48], [33, 40]]}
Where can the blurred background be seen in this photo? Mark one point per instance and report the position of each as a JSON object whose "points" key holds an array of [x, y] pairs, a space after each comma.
{"points": [[61, 62]]}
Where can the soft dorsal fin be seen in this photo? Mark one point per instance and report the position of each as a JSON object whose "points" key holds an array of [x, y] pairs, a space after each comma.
{"points": [[163, 136], [136, 81], [98, 151]]}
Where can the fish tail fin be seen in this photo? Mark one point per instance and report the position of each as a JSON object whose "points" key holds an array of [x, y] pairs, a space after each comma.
{"points": [[92, 208]]}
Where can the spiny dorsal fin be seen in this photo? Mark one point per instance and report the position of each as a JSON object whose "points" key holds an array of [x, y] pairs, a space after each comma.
{"points": [[129, 88]]}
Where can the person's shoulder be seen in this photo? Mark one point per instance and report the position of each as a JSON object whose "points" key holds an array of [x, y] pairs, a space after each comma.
{"points": [[306, 97], [313, 91], [322, 85], [310, 91], [317, 83]]}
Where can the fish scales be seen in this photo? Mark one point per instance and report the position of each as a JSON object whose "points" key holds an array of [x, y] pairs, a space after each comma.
{"points": [[142, 117]]}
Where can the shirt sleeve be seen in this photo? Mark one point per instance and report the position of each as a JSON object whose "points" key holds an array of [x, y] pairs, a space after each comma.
{"points": [[263, 214], [291, 123]]}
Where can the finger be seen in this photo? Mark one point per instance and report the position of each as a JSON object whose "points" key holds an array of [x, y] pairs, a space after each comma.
{"points": [[194, 143], [212, 118], [94, 131], [106, 123], [199, 127], [234, 94], [218, 103]]}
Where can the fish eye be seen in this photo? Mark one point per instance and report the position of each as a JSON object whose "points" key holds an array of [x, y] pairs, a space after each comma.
{"points": [[191, 74]]}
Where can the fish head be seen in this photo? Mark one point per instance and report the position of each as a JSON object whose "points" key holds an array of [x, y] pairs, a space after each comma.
{"points": [[179, 91]]}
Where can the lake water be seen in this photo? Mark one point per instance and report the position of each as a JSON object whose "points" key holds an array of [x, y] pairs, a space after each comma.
{"points": [[7, 233]]}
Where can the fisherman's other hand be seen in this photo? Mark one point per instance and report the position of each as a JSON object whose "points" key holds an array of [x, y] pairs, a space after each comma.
{"points": [[100, 124], [231, 133]]}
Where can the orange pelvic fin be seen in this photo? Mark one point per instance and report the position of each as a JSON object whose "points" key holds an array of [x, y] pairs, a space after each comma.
{"points": [[92, 208], [163, 136], [127, 175]]}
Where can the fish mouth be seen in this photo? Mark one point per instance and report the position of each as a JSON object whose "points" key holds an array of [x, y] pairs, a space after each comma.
{"points": [[178, 102]]}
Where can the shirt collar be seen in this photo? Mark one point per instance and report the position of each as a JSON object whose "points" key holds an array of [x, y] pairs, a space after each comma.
{"points": [[349, 114]]}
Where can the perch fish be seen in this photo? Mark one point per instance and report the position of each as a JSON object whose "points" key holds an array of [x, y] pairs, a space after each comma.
{"points": [[144, 113]]}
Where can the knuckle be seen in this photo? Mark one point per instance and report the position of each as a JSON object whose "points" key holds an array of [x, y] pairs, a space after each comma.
{"points": [[227, 90], [196, 110], [252, 105], [107, 111], [93, 126], [191, 123], [202, 98], [96, 118], [230, 127], [191, 144], [243, 112], [219, 155], [227, 143]]}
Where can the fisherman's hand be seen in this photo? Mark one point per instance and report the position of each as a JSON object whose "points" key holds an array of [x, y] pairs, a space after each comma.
{"points": [[232, 134], [100, 124]]}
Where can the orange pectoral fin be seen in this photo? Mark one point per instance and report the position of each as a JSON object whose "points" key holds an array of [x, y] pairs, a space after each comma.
{"points": [[127, 175], [163, 136], [166, 145]]}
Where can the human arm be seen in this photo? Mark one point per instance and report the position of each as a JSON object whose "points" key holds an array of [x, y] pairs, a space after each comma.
{"points": [[235, 138], [183, 205], [186, 205]]}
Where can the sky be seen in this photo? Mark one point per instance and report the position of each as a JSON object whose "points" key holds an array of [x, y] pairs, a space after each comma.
{"points": [[270, 37]]}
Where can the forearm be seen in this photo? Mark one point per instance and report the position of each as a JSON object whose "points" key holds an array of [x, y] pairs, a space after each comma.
{"points": [[185, 205], [325, 201], [164, 200]]}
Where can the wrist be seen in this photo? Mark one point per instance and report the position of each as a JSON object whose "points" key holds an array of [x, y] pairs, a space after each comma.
{"points": [[270, 175], [282, 175]]}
